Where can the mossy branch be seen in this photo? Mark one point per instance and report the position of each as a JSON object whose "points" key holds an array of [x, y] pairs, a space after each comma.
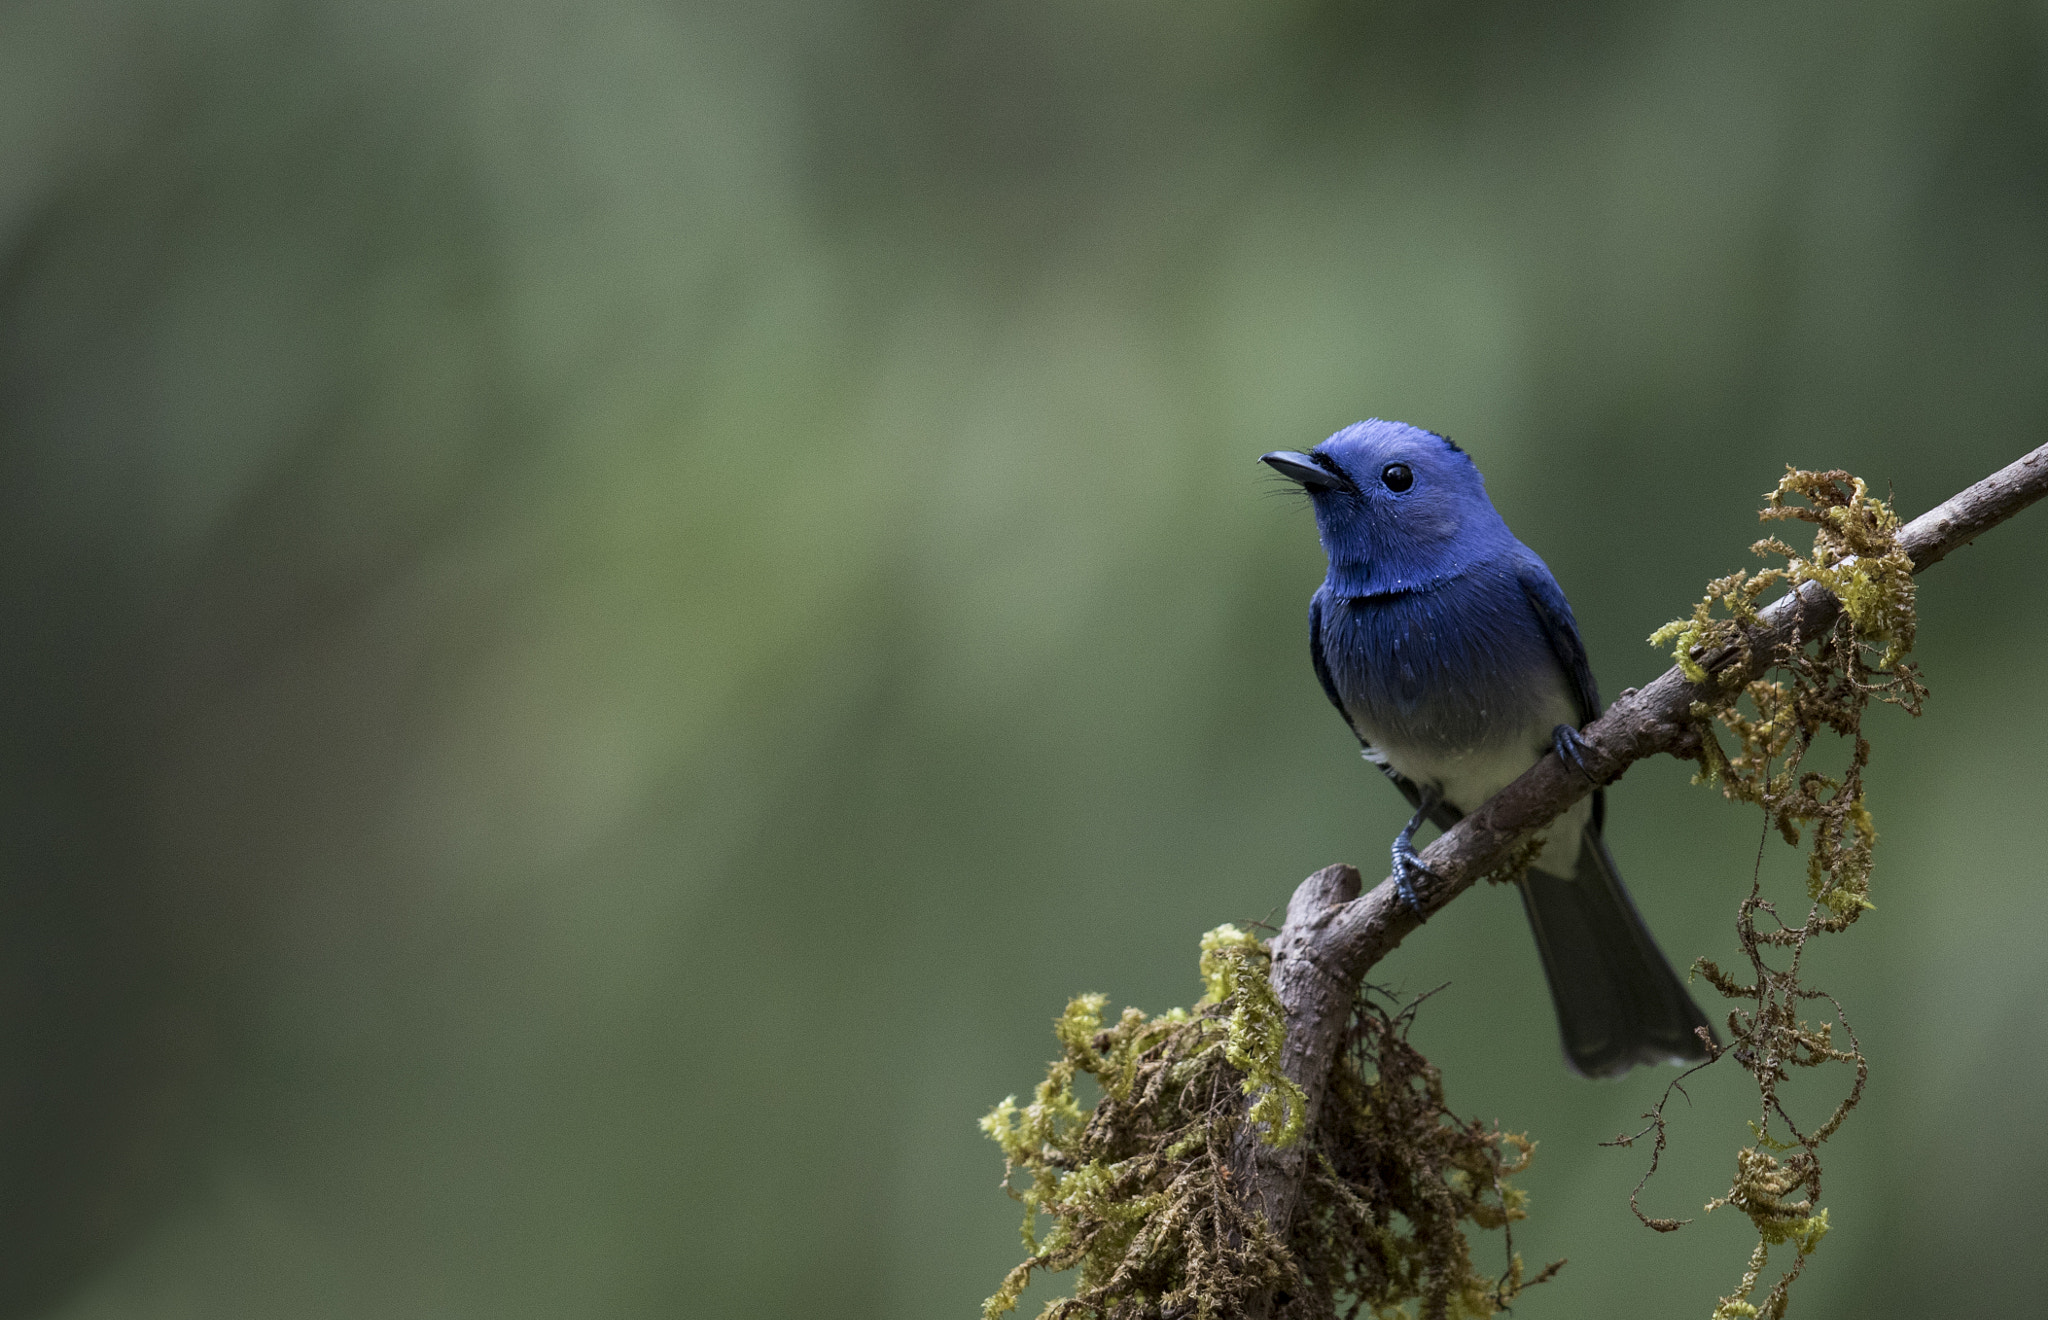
{"points": [[1826, 687], [1136, 1199], [1333, 934]]}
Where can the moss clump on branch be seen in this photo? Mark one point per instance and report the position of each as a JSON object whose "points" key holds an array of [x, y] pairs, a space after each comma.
{"points": [[1393, 1180], [1140, 1201], [1857, 556]]}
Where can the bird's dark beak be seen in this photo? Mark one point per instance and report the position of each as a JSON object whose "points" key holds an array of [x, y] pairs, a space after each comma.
{"points": [[1302, 469]]}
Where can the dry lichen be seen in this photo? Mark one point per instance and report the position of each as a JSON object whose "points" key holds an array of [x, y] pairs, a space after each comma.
{"points": [[1857, 556], [1139, 1200]]}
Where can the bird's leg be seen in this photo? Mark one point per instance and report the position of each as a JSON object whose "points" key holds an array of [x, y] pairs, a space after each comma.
{"points": [[1406, 863], [1571, 749]]}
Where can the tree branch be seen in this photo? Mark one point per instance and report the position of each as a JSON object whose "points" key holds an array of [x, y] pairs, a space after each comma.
{"points": [[1332, 936]]}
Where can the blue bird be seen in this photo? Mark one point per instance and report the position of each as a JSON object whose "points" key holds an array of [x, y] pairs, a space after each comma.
{"points": [[1448, 648]]}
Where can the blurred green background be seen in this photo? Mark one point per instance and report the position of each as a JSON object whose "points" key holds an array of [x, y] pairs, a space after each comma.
{"points": [[607, 606]]}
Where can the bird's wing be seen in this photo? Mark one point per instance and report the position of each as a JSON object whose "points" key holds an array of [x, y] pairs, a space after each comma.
{"points": [[1546, 598], [1322, 666], [1554, 613], [1445, 815]]}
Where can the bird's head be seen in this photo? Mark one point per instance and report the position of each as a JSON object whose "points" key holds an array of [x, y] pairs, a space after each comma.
{"points": [[1396, 506]]}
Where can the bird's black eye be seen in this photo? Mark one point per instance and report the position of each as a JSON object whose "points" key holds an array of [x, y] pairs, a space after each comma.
{"points": [[1397, 476]]}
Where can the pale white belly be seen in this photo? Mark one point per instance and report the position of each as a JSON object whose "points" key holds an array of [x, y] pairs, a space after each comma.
{"points": [[1467, 777]]}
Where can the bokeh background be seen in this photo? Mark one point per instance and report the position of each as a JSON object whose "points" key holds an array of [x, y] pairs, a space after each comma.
{"points": [[606, 606]]}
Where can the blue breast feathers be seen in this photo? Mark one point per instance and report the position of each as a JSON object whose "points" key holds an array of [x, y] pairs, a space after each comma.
{"points": [[1461, 664]]}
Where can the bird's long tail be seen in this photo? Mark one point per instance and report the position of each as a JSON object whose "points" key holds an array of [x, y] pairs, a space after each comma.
{"points": [[1618, 1001]]}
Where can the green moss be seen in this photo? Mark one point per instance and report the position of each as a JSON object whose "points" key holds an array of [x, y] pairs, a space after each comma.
{"points": [[1134, 1196], [1397, 1179], [1234, 971], [1824, 687]]}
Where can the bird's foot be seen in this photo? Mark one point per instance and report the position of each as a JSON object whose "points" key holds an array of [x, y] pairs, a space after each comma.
{"points": [[1571, 749], [1408, 866]]}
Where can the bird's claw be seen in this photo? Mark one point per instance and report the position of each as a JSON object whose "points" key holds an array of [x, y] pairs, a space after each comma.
{"points": [[1571, 749], [1407, 864]]}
